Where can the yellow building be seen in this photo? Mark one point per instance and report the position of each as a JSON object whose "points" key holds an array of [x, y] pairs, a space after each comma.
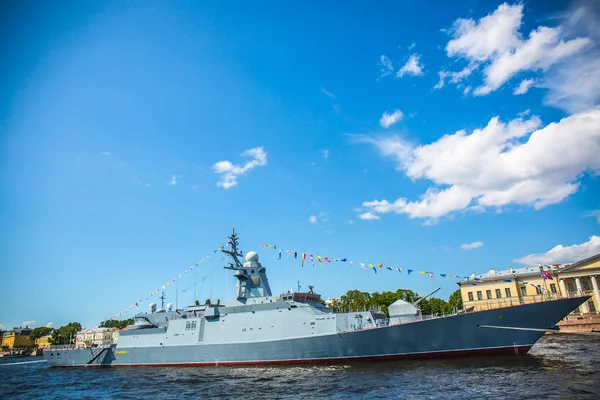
{"points": [[495, 289], [43, 342], [17, 338], [583, 277], [96, 337]]}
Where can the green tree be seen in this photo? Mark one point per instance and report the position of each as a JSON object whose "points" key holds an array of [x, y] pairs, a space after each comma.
{"points": [[355, 300], [113, 323], [455, 301], [37, 333], [65, 334]]}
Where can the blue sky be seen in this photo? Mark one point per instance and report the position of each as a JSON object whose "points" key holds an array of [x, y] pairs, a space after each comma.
{"points": [[135, 135]]}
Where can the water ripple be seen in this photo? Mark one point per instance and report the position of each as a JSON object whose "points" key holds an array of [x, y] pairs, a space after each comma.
{"points": [[557, 367]]}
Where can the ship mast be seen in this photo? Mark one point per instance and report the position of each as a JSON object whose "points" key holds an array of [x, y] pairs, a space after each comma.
{"points": [[252, 277], [234, 253]]}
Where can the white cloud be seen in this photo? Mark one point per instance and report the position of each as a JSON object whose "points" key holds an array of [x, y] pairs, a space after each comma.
{"points": [[524, 113], [471, 246], [389, 119], [412, 67], [369, 216], [495, 42], [312, 219], [174, 180], [104, 153], [327, 93], [563, 255], [413, 44], [593, 214], [392, 146], [29, 323], [502, 164], [455, 77], [524, 86], [1, 327], [575, 85], [230, 172], [325, 153], [50, 325], [491, 36], [385, 65]]}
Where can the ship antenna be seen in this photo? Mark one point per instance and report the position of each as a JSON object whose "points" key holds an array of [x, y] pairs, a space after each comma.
{"points": [[162, 300], [234, 253]]}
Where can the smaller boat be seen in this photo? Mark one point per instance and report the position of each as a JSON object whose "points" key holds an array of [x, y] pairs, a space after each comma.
{"points": [[17, 354]]}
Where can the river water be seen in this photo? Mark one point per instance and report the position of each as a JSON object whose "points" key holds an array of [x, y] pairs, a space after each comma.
{"points": [[558, 366]]}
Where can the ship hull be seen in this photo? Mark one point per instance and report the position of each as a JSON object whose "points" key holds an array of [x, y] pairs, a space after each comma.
{"points": [[454, 336]]}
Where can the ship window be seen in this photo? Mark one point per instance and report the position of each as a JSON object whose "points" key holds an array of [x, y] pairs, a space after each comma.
{"points": [[498, 293], [488, 294], [470, 294], [252, 271], [553, 288], [479, 295], [507, 291]]}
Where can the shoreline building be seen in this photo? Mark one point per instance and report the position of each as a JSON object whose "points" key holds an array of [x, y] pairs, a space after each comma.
{"points": [[96, 336], [17, 338], [495, 289], [43, 342]]}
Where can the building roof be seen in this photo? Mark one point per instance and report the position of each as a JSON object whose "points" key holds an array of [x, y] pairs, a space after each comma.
{"points": [[582, 262], [514, 273], [19, 331]]}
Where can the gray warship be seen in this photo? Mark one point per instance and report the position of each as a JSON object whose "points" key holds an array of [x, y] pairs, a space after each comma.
{"points": [[259, 328]]}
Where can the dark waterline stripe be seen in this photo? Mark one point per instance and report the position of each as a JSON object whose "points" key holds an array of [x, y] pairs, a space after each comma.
{"points": [[511, 350]]}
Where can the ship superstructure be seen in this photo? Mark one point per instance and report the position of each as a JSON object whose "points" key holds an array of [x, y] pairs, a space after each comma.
{"points": [[257, 327]]}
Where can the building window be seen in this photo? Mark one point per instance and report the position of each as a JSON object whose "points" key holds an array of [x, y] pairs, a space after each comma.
{"points": [[571, 286], [524, 290], [479, 295], [592, 306], [586, 284], [470, 294], [488, 294], [498, 293], [553, 288], [507, 291], [538, 290]]}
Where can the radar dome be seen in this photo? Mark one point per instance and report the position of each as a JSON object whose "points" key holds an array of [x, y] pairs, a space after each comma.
{"points": [[170, 306], [152, 307], [252, 256]]}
